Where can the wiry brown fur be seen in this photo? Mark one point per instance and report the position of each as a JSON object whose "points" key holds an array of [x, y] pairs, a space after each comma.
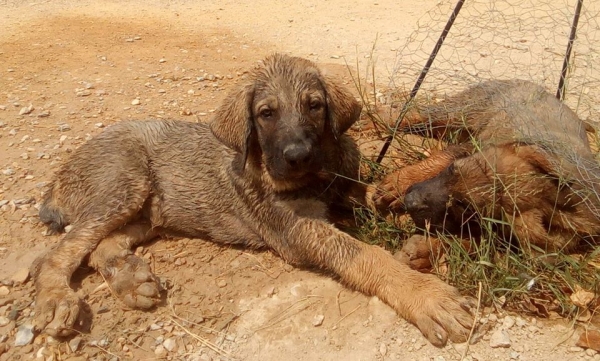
{"points": [[531, 167], [275, 156]]}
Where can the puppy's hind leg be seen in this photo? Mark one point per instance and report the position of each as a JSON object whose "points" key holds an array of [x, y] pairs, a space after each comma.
{"points": [[57, 305], [128, 276]]}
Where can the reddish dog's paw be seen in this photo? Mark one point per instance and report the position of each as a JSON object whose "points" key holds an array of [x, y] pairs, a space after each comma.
{"points": [[131, 279], [442, 314], [57, 311]]}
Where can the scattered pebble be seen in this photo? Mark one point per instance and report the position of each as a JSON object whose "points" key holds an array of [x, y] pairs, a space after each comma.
{"points": [[4, 291], [318, 320], [169, 344], [8, 171], [24, 335], [382, 349], [26, 110], [221, 283], [500, 338], [64, 127], [160, 351], [75, 343], [136, 101], [508, 322], [20, 276]]}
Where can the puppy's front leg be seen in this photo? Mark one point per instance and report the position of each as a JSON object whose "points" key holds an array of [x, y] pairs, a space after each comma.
{"points": [[436, 308]]}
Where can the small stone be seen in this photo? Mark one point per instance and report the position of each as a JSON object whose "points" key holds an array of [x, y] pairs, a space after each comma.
{"points": [[521, 322], [136, 101], [99, 125], [514, 355], [500, 338], [221, 283], [20, 276], [4, 291], [591, 353], [8, 171], [24, 335], [24, 156], [508, 322], [26, 110], [382, 349], [4, 321], [575, 349], [83, 93], [154, 327], [439, 358], [162, 60], [170, 344], [62, 139], [493, 318], [75, 343], [318, 320], [64, 127], [160, 350]]}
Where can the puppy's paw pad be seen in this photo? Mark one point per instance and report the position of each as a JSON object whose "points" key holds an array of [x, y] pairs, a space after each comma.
{"points": [[134, 283]]}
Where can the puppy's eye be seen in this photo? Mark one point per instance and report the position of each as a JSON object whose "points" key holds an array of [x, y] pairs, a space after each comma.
{"points": [[315, 105], [266, 113]]}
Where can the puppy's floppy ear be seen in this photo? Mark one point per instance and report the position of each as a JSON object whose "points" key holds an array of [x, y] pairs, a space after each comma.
{"points": [[232, 122], [342, 108]]}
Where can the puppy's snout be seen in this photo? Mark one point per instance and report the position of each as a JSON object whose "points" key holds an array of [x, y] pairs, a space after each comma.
{"points": [[415, 200], [297, 154]]}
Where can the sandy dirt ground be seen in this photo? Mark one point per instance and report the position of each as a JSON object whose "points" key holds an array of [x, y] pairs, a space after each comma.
{"points": [[68, 69]]}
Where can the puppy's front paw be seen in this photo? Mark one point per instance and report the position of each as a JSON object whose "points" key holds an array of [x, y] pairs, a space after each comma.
{"points": [[57, 310], [441, 313]]}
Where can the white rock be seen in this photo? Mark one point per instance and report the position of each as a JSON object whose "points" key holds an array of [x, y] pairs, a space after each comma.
{"points": [[160, 350], [169, 344], [136, 101], [508, 322], [382, 349], [24, 335], [26, 110], [4, 291], [74, 344], [318, 320], [500, 338], [20, 276]]}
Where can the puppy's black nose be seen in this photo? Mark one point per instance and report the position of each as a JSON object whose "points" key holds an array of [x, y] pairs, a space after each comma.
{"points": [[414, 200], [297, 154]]}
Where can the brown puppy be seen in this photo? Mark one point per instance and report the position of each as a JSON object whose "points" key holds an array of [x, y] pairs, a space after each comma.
{"points": [[530, 166], [263, 174]]}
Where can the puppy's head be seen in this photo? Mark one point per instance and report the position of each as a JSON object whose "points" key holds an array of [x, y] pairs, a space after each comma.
{"points": [[285, 116], [498, 179]]}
